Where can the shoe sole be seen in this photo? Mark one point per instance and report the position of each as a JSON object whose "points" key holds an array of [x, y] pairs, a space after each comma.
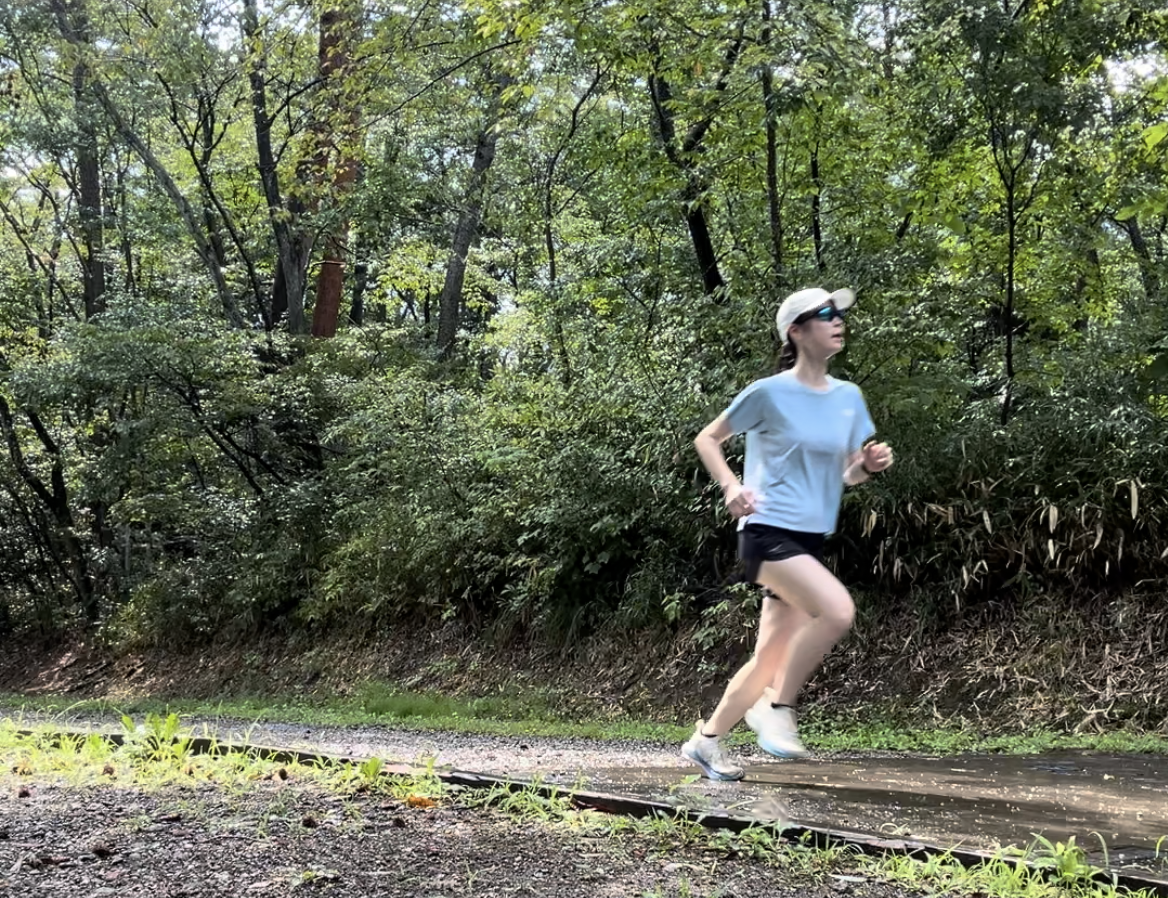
{"points": [[710, 772], [785, 754]]}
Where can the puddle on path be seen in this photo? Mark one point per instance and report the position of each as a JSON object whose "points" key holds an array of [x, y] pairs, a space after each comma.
{"points": [[1116, 807]]}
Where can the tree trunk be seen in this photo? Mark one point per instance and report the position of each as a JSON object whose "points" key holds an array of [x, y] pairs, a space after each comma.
{"points": [[186, 212], [1149, 273], [93, 274], [450, 300], [694, 191], [1011, 264], [292, 246], [54, 497], [703, 243], [360, 282], [816, 208], [339, 126], [774, 206]]}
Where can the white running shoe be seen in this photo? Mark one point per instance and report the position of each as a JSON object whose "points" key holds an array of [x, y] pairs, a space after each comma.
{"points": [[707, 753], [776, 730]]}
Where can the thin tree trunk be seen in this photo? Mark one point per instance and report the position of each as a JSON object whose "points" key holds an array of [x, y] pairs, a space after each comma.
{"points": [[450, 299], [1149, 275], [186, 212], [1011, 262], [88, 175], [54, 496], [816, 208], [292, 246], [664, 129], [774, 207], [360, 283], [693, 194]]}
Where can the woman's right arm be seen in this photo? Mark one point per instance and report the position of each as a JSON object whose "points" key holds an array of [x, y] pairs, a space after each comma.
{"points": [[739, 501]]}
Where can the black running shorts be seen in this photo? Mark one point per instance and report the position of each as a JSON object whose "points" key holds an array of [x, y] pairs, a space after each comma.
{"points": [[762, 542]]}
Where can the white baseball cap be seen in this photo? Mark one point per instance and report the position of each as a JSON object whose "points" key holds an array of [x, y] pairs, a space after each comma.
{"points": [[806, 301]]}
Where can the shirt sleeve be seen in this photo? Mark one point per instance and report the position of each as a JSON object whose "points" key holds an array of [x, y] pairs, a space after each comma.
{"points": [[748, 410], [863, 427]]}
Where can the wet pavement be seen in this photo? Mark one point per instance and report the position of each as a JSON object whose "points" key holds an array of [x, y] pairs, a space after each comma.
{"points": [[1114, 806]]}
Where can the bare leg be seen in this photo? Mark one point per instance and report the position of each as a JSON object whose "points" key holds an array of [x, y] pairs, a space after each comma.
{"points": [[792, 621], [754, 676], [813, 590]]}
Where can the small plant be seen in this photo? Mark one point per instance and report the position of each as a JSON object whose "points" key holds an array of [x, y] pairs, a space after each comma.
{"points": [[159, 738], [1066, 861], [369, 770]]}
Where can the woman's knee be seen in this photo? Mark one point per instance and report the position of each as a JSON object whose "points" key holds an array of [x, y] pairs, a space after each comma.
{"points": [[839, 613]]}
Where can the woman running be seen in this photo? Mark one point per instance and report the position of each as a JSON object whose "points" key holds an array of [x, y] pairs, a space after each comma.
{"points": [[806, 438]]}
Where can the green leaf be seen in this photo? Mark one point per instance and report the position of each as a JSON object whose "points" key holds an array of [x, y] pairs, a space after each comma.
{"points": [[1154, 135]]}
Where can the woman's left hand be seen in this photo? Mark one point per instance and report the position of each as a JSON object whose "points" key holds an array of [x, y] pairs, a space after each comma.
{"points": [[877, 457]]}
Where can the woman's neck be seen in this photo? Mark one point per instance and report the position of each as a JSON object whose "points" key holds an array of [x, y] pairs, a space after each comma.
{"points": [[811, 372]]}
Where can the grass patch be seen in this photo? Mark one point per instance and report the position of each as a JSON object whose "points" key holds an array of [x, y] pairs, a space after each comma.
{"points": [[530, 714], [372, 705], [889, 729]]}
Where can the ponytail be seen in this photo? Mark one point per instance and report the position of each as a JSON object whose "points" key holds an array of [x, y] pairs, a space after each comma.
{"points": [[788, 355]]}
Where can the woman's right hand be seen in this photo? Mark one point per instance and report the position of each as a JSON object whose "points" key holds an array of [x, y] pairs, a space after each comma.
{"points": [[739, 501]]}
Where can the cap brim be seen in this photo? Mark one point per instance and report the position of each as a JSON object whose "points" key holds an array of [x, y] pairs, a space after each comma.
{"points": [[843, 298]]}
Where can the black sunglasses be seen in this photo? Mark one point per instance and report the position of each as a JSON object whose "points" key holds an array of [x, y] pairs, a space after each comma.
{"points": [[827, 313]]}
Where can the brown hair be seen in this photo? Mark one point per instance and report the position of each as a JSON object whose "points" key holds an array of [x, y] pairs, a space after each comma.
{"points": [[787, 355]]}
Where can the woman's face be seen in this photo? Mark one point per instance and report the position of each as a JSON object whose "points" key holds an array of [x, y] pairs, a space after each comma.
{"points": [[820, 332]]}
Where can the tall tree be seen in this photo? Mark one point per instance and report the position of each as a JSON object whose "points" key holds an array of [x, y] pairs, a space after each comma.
{"points": [[338, 137]]}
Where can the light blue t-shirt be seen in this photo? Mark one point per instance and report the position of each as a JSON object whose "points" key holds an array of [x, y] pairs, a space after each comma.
{"points": [[798, 441]]}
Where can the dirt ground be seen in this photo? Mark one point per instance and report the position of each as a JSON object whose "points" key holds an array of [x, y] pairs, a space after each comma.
{"points": [[298, 839]]}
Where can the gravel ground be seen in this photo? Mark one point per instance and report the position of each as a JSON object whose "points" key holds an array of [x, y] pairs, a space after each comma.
{"points": [[299, 839]]}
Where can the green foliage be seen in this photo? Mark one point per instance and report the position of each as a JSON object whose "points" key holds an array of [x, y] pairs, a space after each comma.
{"points": [[178, 463]]}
